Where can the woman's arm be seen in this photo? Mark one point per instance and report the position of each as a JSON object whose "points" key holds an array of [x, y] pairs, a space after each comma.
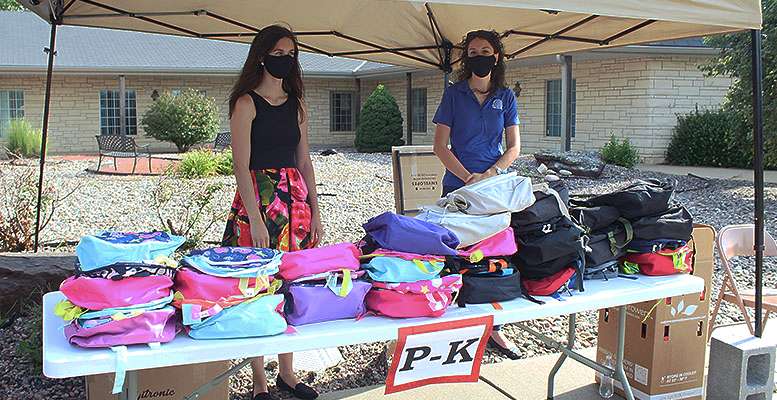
{"points": [[305, 166], [513, 139], [442, 134], [240, 126]]}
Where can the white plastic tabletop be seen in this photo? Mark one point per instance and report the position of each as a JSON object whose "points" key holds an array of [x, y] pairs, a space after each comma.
{"points": [[62, 360]]}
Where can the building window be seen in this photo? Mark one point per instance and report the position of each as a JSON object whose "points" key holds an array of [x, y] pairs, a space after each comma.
{"points": [[110, 120], [553, 107], [11, 107], [419, 109], [341, 111]]}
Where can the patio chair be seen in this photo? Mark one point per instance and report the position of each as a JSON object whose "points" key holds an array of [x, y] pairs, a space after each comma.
{"points": [[223, 141], [121, 146], [735, 241]]}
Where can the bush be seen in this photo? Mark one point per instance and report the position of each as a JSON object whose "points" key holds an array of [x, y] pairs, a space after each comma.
{"points": [[31, 347], [710, 138], [23, 141], [620, 153], [380, 123], [185, 120], [205, 163]]}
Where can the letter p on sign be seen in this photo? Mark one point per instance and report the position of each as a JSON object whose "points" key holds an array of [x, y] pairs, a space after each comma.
{"points": [[443, 352]]}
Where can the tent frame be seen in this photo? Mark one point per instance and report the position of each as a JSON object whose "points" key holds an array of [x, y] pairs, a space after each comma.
{"points": [[445, 48]]}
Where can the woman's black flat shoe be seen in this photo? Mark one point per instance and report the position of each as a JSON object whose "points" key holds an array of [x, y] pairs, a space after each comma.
{"points": [[266, 396], [512, 353], [301, 391]]}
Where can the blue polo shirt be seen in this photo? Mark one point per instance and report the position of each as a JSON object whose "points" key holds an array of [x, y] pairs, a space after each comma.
{"points": [[476, 130]]}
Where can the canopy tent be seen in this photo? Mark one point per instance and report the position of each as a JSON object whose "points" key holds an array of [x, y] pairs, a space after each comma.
{"points": [[423, 35]]}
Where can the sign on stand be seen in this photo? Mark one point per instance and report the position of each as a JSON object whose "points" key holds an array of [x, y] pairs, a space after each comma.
{"points": [[443, 352]]}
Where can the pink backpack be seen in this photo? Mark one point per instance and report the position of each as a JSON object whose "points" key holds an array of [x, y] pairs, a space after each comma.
{"points": [[150, 326], [100, 293], [500, 245], [308, 262], [193, 284], [429, 298]]}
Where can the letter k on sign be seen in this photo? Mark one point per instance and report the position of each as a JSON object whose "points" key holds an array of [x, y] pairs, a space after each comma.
{"points": [[443, 352]]}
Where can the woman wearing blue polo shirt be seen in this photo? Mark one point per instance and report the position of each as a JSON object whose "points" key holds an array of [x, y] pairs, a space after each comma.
{"points": [[475, 113]]}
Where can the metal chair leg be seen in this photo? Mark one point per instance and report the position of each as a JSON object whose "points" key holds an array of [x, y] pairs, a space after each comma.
{"points": [[115, 167], [149, 163], [99, 162], [134, 164]]}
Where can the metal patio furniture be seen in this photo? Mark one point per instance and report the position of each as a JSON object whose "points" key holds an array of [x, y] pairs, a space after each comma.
{"points": [[121, 146]]}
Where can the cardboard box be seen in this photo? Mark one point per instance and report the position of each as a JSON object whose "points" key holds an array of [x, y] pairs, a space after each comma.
{"points": [[666, 339], [170, 383], [418, 177]]}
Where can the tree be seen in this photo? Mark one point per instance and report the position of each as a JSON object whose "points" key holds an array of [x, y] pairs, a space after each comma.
{"points": [[10, 5], [185, 119], [380, 123], [734, 61]]}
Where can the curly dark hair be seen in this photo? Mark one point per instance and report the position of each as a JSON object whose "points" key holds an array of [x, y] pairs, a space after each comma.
{"points": [[498, 73]]}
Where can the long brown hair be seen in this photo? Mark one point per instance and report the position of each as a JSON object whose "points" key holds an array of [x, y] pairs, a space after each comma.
{"points": [[253, 69], [498, 73]]}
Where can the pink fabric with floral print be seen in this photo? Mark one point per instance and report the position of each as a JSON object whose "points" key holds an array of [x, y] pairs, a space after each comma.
{"points": [[500, 245], [428, 298], [317, 260]]}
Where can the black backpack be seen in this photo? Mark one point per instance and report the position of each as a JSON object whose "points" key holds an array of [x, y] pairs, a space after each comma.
{"points": [[643, 197], [547, 248], [595, 218], [545, 207], [491, 287], [675, 223], [609, 244]]}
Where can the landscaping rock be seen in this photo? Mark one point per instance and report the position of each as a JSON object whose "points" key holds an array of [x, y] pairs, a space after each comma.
{"points": [[564, 172], [328, 152], [23, 275], [580, 163], [552, 178]]}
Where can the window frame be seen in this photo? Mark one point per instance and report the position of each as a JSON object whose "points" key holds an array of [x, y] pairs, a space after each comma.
{"points": [[111, 114], [551, 116], [336, 125], [422, 125], [15, 111]]}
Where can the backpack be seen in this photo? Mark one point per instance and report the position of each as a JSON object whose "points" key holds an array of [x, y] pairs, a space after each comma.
{"points": [[318, 260], [675, 223], [149, 326], [610, 243], [401, 233], [643, 197], [500, 245], [498, 194], [101, 293], [393, 269], [428, 298], [258, 316], [550, 284], [469, 229], [545, 249], [110, 247], [316, 300], [662, 262], [490, 287], [595, 218], [550, 202], [652, 246], [605, 271]]}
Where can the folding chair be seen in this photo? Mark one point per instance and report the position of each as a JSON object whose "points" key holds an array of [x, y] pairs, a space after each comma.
{"points": [[734, 241]]}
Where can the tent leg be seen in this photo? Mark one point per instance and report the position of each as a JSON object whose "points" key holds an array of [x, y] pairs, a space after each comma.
{"points": [[45, 130], [758, 167]]}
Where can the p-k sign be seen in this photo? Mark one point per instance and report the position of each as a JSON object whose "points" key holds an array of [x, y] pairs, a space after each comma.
{"points": [[443, 352]]}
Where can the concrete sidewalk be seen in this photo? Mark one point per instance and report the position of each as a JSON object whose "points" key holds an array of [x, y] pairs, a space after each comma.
{"points": [[710, 172], [524, 379]]}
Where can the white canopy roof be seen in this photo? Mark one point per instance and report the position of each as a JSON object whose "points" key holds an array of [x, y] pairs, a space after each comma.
{"points": [[413, 33]]}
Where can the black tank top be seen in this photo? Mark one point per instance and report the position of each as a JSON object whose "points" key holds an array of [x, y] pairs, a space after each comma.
{"points": [[274, 134]]}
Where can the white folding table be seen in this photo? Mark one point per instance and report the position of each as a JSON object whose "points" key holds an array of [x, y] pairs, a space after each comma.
{"points": [[62, 360]]}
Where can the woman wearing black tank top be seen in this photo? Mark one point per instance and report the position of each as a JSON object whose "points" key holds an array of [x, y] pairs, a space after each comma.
{"points": [[272, 165]]}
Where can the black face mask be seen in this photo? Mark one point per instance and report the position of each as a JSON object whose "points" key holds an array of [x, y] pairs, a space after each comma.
{"points": [[482, 65], [279, 66]]}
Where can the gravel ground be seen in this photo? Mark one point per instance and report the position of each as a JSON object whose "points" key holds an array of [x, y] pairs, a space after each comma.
{"points": [[353, 188]]}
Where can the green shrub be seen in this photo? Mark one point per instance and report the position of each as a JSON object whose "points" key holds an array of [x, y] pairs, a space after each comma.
{"points": [[31, 347], [224, 163], [185, 119], [380, 123], [620, 153], [23, 140], [198, 164], [711, 138]]}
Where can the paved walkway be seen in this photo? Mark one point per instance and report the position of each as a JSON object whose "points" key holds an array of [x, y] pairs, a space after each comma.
{"points": [[709, 172], [159, 164]]}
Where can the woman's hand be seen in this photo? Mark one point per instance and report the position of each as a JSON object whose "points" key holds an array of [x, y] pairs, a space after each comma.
{"points": [[259, 235], [316, 230], [475, 177]]}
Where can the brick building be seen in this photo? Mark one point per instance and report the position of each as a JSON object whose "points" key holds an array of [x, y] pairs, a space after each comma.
{"points": [[634, 92]]}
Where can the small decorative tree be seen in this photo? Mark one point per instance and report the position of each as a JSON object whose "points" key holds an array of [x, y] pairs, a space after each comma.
{"points": [[185, 119], [380, 123]]}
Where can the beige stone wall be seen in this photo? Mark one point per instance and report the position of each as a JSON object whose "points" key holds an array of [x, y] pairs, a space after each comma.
{"points": [[634, 97]]}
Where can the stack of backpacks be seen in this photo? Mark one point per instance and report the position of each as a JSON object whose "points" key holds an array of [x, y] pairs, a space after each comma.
{"points": [[551, 248], [639, 227], [121, 291], [404, 258], [229, 292]]}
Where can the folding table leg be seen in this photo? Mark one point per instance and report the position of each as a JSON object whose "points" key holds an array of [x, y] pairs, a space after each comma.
{"points": [[217, 380], [563, 357], [130, 389], [620, 374]]}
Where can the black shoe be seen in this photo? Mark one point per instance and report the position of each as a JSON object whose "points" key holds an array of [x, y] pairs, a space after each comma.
{"points": [[301, 391], [266, 396], [512, 353]]}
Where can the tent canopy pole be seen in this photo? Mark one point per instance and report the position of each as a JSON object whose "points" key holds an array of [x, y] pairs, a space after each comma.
{"points": [[51, 50], [758, 167]]}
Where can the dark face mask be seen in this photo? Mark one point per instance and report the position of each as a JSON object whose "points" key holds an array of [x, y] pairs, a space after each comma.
{"points": [[482, 65], [279, 66]]}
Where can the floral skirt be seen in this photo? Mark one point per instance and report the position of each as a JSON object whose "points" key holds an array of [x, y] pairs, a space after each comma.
{"points": [[282, 198]]}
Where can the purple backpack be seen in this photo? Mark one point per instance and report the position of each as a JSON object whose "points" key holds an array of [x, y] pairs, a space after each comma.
{"points": [[151, 326], [410, 235], [320, 298]]}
